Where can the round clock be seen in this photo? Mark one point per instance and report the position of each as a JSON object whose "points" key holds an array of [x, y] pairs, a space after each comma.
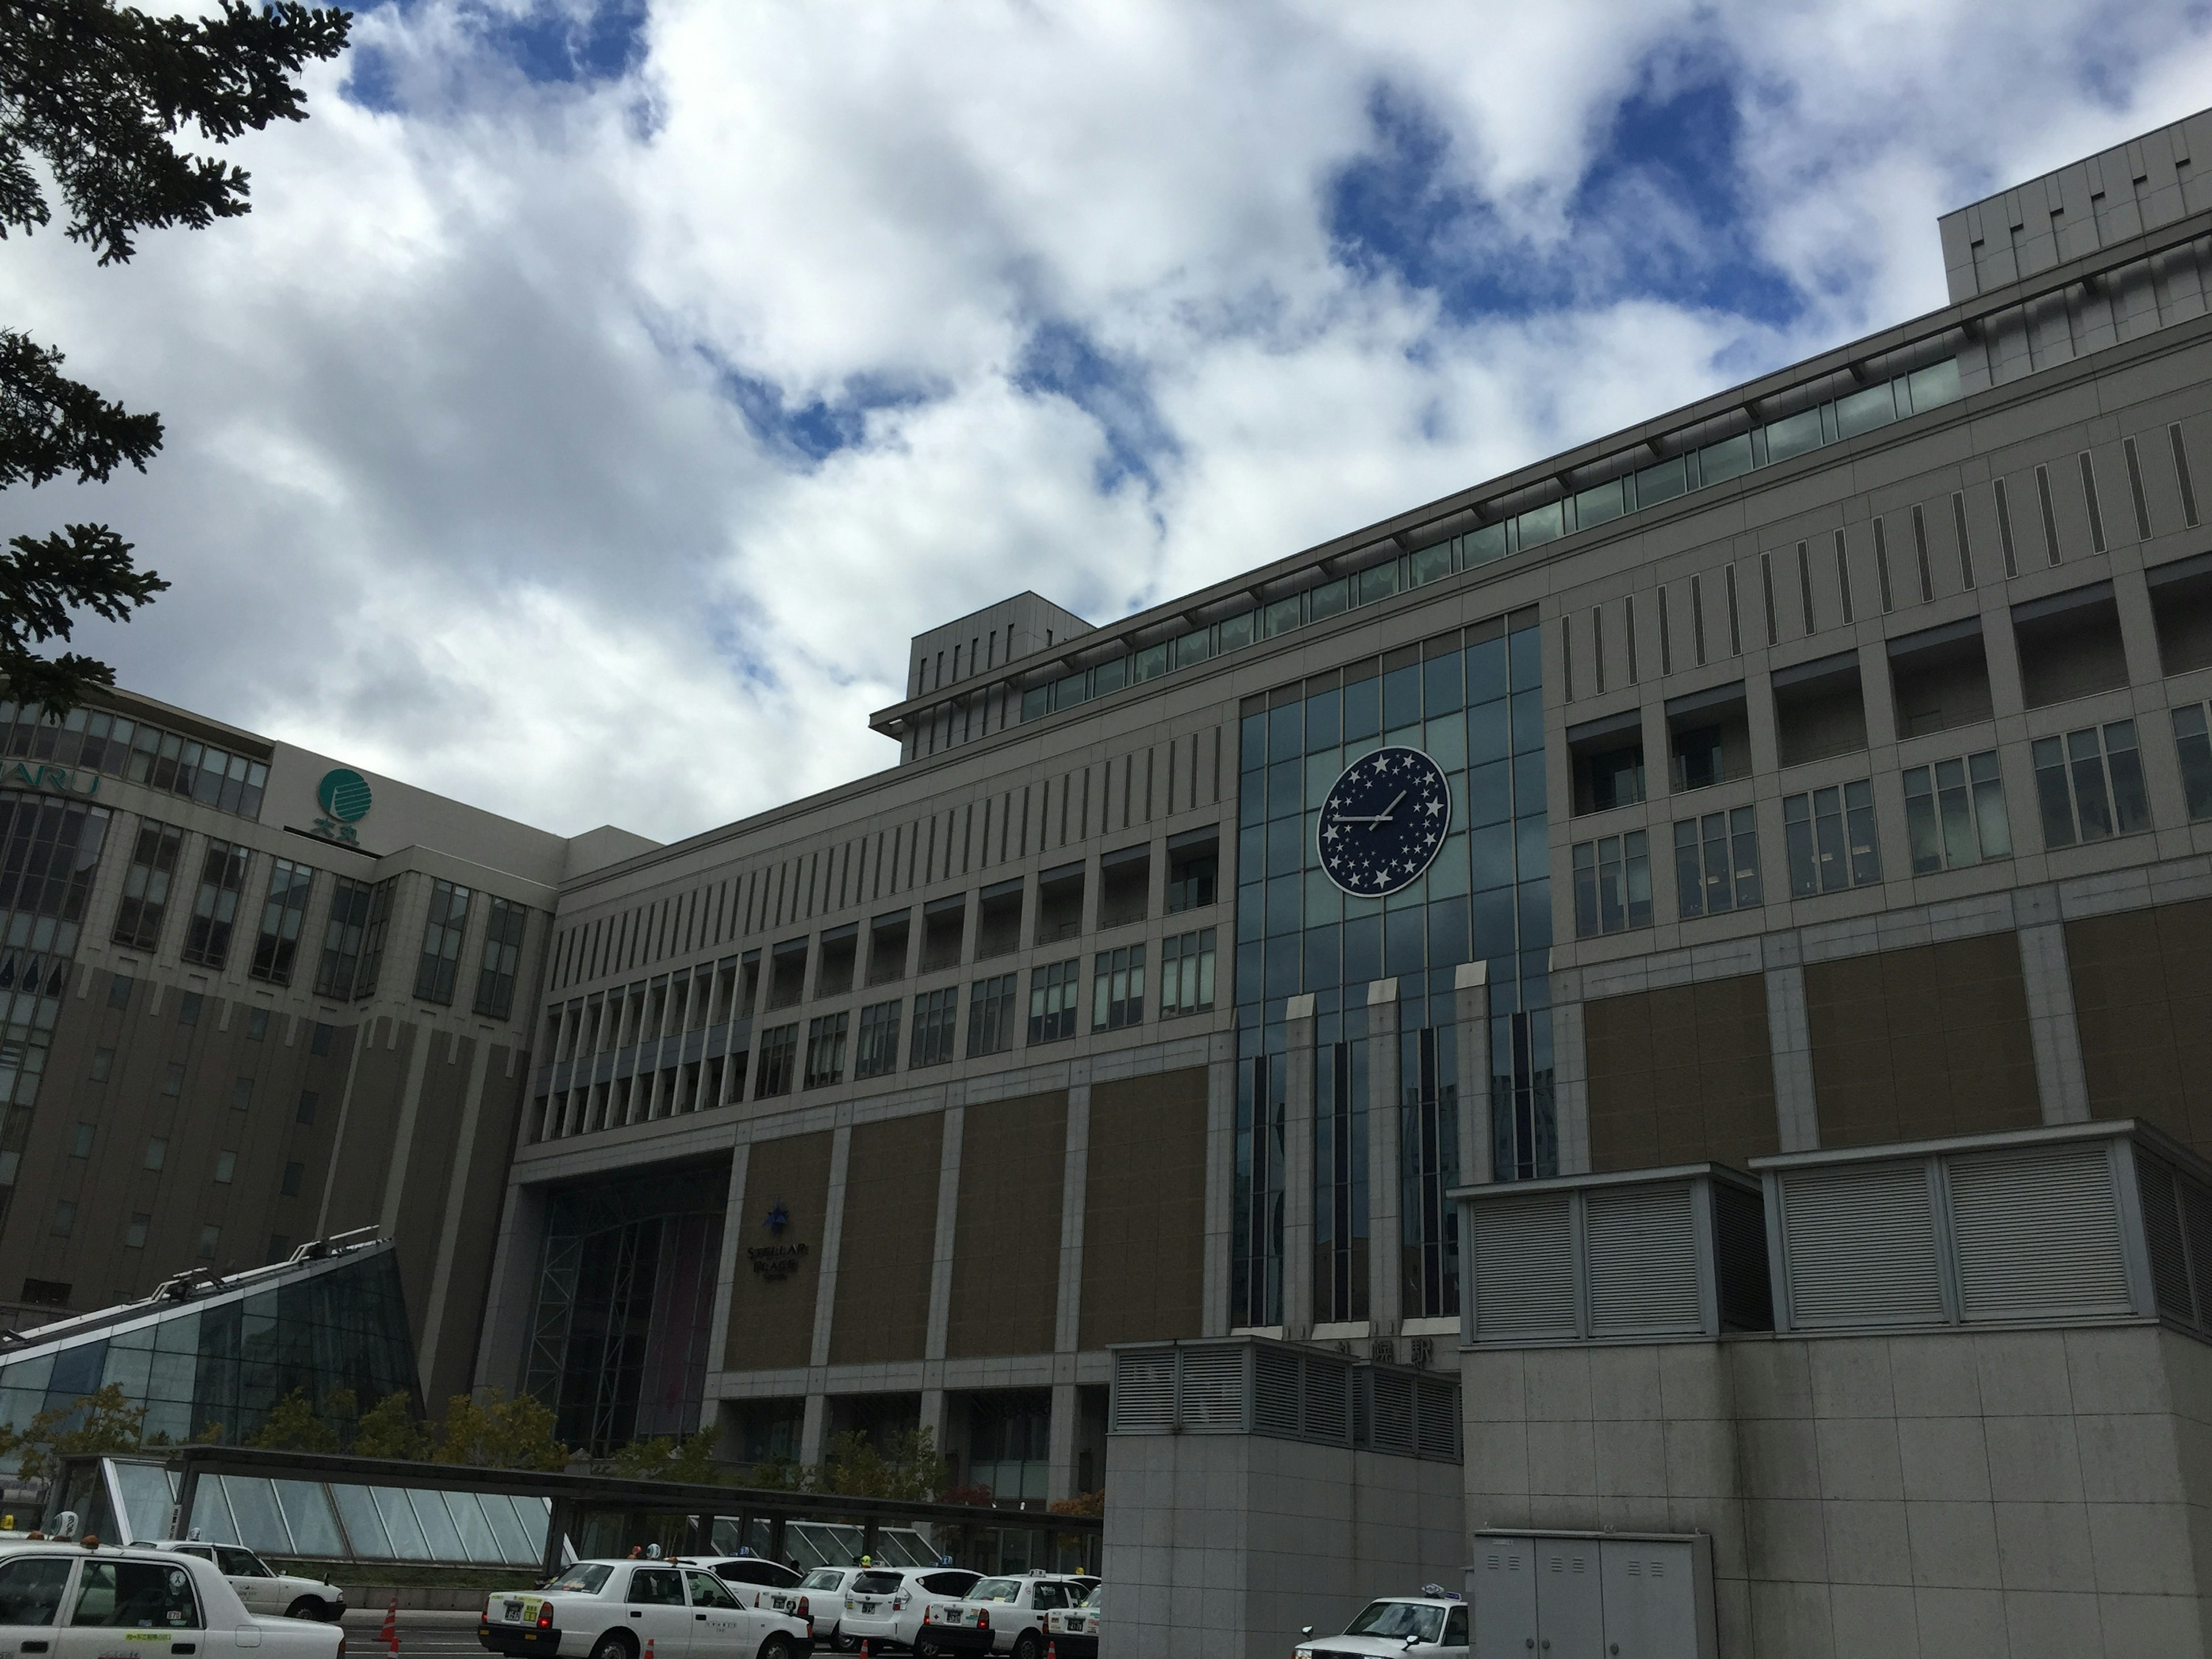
{"points": [[1384, 821]]}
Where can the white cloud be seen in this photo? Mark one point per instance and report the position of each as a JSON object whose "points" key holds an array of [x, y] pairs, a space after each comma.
{"points": [[457, 484]]}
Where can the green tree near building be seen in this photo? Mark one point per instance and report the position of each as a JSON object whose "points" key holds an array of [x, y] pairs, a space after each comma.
{"points": [[99, 94], [689, 1459], [500, 1434]]}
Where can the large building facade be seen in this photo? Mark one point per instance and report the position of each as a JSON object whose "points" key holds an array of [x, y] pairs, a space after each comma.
{"points": [[1824, 769]]}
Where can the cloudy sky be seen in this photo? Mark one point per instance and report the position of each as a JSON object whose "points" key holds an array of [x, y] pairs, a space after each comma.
{"points": [[599, 395]]}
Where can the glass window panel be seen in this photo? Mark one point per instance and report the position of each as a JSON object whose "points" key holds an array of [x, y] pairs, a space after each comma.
{"points": [[260, 1523], [438, 1529], [1793, 435], [1729, 459], [364, 1526], [1542, 525], [308, 1512], [1662, 482], [1445, 742], [1324, 719], [146, 1499], [400, 1524], [211, 1514], [521, 1535], [1863, 412]]}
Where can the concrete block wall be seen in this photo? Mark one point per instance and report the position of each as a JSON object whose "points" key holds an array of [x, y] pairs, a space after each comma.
{"points": [[2009, 1494], [1222, 1546]]}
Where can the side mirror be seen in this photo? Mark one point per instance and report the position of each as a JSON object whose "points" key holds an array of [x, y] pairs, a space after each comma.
{"points": [[1305, 1629]]}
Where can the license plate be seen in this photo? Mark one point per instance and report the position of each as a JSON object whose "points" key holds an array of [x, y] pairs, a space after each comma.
{"points": [[867, 1607], [514, 1612]]}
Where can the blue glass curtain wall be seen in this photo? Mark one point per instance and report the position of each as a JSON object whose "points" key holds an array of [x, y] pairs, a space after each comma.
{"points": [[626, 1291], [228, 1361], [1472, 700]]}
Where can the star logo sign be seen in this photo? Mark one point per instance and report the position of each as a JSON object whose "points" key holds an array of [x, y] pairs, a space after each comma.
{"points": [[778, 1219]]}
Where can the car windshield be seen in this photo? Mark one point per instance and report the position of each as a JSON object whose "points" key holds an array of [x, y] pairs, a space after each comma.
{"points": [[876, 1583], [997, 1589], [587, 1577], [824, 1578], [1096, 1601], [1399, 1618]]}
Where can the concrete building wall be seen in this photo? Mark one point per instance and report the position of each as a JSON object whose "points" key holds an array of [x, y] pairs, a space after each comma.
{"points": [[2019, 1492]]}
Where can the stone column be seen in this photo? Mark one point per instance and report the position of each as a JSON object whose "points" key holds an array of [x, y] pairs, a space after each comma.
{"points": [[1790, 1045], [2046, 975], [1298, 1169], [1471, 1014], [1383, 1245]]}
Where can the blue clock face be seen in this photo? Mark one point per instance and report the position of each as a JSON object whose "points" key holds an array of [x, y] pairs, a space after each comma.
{"points": [[1384, 821]]}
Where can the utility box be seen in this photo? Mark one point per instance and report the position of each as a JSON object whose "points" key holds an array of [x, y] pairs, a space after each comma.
{"points": [[1593, 1595]]}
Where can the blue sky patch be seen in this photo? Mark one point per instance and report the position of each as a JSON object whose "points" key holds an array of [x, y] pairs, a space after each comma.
{"points": [[551, 43], [810, 431], [1059, 360]]}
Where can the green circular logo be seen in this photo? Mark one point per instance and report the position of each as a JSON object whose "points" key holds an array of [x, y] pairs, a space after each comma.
{"points": [[344, 794]]}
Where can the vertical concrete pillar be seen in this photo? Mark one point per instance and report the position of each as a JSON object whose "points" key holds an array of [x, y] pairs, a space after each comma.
{"points": [[1298, 1169], [1570, 1089], [2061, 1083], [1471, 1013], [813, 1427], [948, 1210], [1220, 1174], [1075, 1164], [1060, 1475], [1790, 1045], [833, 1230], [1384, 1256]]}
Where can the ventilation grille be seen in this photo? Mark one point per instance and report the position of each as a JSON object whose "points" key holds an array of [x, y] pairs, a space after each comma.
{"points": [[1862, 1246], [1523, 1270], [1746, 1286], [1641, 1247], [1275, 1405], [1393, 1413], [1437, 1428], [1144, 1390], [1213, 1388], [2036, 1232], [1329, 1402]]}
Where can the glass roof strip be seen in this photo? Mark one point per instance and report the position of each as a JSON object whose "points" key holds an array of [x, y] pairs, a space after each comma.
{"points": [[315, 1530], [260, 1523], [399, 1522], [364, 1526]]}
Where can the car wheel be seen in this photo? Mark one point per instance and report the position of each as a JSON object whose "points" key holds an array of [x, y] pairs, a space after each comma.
{"points": [[776, 1647], [844, 1644], [307, 1606], [1027, 1645], [615, 1644]]}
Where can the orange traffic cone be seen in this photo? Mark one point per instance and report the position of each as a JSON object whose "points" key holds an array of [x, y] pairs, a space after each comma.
{"points": [[390, 1632], [1051, 1649], [648, 1648], [864, 1648]]}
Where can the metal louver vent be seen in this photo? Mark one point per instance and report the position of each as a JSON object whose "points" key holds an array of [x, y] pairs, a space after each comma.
{"points": [[1212, 1390], [1144, 1390], [1362, 1407], [2162, 1227], [1523, 1268], [1746, 1282], [1641, 1248], [1862, 1246], [1393, 1412], [2196, 1229], [1329, 1402], [1275, 1406], [2035, 1231], [1438, 1421]]}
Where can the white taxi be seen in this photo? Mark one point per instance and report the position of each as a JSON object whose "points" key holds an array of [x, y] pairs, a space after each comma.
{"points": [[1073, 1632], [642, 1609], [84, 1601], [999, 1615], [884, 1605], [263, 1589], [824, 1589], [1434, 1622]]}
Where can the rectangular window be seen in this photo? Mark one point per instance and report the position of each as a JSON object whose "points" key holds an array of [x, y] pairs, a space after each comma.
{"points": [[1613, 884], [1193, 860], [281, 914], [1954, 813], [226, 1168], [210, 1238], [441, 943], [257, 1024], [318, 1043], [173, 1077], [305, 1112], [1053, 990], [1829, 835], [991, 1016], [1716, 862], [157, 1152], [502, 957], [241, 1094], [294, 1174], [65, 1221], [1187, 973], [826, 1049], [81, 1147], [2089, 785], [215, 907], [2193, 741], [118, 991], [103, 1063], [189, 1005], [146, 885], [372, 939], [1117, 988], [779, 1048], [342, 935], [134, 1236], [877, 1055], [935, 1014]]}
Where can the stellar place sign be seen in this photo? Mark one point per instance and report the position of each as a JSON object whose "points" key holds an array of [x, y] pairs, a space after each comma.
{"points": [[59, 780], [776, 1262]]}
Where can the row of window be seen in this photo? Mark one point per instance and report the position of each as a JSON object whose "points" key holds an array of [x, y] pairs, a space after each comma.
{"points": [[108, 743], [352, 956], [1118, 1000], [2088, 786], [1861, 411]]}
